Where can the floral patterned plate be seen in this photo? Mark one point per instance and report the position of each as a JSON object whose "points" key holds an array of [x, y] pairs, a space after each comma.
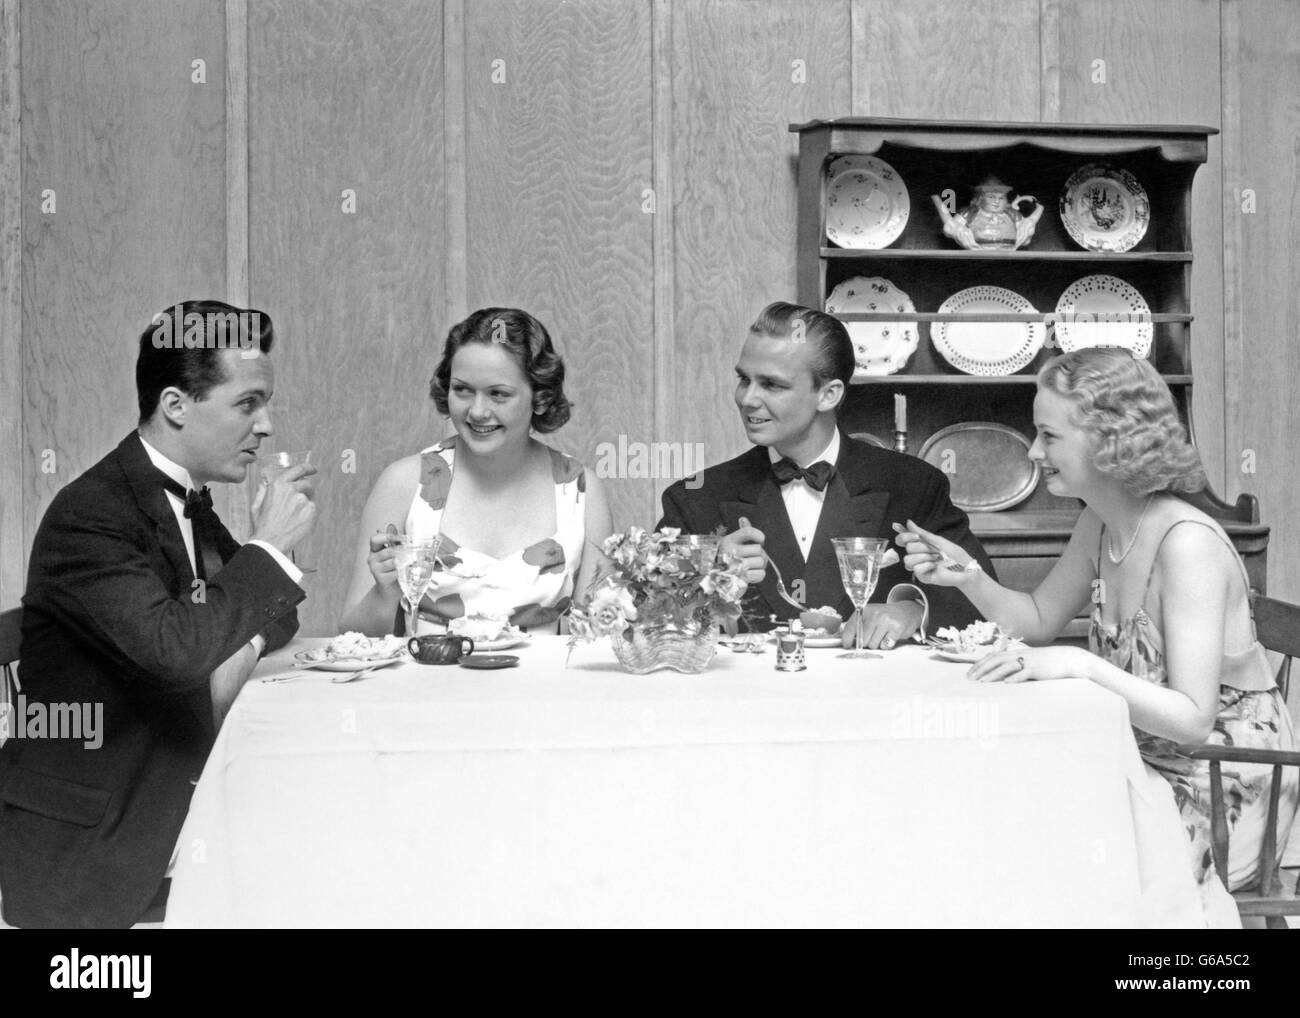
{"points": [[866, 202], [880, 348]]}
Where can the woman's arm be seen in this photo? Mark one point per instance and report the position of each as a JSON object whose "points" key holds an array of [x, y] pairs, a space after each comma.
{"points": [[1035, 618], [599, 525], [1194, 574], [373, 594]]}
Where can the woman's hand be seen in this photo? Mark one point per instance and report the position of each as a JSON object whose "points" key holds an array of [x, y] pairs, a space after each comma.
{"points": [[1034, 663], [380, 559], [934, 559]]}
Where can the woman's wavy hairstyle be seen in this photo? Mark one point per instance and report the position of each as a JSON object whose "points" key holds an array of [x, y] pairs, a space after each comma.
{"points": [[527, 341], [1130, 417]]}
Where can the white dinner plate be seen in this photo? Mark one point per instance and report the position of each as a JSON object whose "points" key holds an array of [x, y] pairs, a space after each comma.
{"points": [[813, 641], [348, 664], [1102, 295], [867, 204], [880, 348], [502, 642], [969, 657], [987, 348], [1105, 208]]}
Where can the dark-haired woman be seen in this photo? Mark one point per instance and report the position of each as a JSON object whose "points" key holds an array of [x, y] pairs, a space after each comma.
{"points": [[520, 521]]}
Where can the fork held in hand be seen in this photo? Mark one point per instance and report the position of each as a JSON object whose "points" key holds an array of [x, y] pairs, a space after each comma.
{"points": [[780, 582]]}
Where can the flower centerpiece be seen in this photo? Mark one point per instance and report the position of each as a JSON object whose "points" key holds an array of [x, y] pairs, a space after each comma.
{"points": [[660, 600]]}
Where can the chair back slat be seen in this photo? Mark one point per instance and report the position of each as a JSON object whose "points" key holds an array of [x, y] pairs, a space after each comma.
{"points": [[1278, 625], [11, 634]]}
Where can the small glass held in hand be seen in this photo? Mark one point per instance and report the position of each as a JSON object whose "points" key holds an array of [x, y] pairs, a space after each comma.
{"points": [[860, 561], [416, 559]]}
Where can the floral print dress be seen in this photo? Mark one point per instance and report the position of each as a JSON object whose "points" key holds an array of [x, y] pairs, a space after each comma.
{"points": [[1254, 718], [530, 587]]}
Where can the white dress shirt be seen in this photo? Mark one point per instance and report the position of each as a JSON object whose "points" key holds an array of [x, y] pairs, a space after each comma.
{"points": [[802, 503], [804, 507]]}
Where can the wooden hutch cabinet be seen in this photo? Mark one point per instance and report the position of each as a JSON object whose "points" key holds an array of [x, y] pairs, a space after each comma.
{"points": [[949, 159]]}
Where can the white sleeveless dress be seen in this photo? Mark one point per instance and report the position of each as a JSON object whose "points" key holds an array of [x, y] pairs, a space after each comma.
{"points": [[531, 586]]}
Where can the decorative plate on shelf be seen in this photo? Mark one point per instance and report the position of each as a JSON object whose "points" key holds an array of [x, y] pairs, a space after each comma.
{"points": [[880, 348], [987, 348], [987, 465], [866, 202], [1105, 208], [1101, 295]]}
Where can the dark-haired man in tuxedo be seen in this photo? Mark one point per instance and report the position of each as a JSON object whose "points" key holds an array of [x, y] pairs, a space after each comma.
{"points": [[139, 600], [806, 481]]}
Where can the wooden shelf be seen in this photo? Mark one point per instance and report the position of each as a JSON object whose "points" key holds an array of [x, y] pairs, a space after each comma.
{"points": [[1170, 380], [960, 254], [1047, 317], [934, 157]]}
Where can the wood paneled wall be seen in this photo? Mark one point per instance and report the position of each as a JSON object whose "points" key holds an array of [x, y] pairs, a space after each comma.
{"points": [[621, 168]]}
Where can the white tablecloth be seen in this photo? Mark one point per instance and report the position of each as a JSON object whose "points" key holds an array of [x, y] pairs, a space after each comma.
{"points": [[879, 793]]}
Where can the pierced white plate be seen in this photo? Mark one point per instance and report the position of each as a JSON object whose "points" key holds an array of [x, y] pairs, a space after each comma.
{"points": [[866, 202], [1105, 208], [880, 348], [987, 348], [1102, 295]]}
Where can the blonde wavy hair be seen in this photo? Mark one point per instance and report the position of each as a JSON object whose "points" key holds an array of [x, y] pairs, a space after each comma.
{"points": [[1129, 414]]}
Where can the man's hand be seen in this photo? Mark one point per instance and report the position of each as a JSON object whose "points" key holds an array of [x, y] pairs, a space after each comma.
{"points": [[283, 511], [885, 625], [228, 679], [746, 545]]}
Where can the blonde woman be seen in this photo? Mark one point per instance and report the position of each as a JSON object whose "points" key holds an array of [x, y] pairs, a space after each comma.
{"points": [[1171, 628]]}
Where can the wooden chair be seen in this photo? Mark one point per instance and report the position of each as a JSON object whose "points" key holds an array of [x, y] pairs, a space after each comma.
{"points": [[11, 625], [1278, 626]]}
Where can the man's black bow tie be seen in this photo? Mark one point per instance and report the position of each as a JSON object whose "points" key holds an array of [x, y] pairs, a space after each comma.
{"points": [[195, 501], [817, 475]]}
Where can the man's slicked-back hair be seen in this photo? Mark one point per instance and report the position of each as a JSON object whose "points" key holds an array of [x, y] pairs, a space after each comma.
{"points": [[190, 358], [832, 348]]}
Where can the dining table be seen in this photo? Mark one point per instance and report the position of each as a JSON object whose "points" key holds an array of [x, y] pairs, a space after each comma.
{"points": [[567, 792]]}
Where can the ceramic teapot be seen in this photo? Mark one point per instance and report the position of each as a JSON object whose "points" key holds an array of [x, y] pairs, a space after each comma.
{"points": [[992, 219]]}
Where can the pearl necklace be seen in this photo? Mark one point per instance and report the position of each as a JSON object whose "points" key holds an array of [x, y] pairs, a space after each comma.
{"points": [[1110, 542]]}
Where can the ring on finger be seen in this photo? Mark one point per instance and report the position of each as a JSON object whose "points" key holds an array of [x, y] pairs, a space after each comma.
{"points": [[887, 643]]}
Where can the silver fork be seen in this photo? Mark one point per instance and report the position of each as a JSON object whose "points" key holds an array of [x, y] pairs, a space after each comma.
{"points": [[780, 582]]}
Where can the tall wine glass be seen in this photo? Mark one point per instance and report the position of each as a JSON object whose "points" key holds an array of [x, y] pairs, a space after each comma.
{"points": [[416, 559], [860, 559]]}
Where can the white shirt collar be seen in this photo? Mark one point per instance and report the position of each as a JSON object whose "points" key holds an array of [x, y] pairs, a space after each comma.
{"points": [[173, 470], [830, 454]]}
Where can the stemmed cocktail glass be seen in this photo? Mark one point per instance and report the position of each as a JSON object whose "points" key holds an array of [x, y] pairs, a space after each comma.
{"points": [[860, 561], [416, 559]]}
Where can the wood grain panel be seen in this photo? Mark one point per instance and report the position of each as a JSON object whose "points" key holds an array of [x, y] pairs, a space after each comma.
{"points": [[1262, 60], [13, 541], [736, 89], [134, 151], [559, 163], [929, 58], [347, 97], [1156, 61]]}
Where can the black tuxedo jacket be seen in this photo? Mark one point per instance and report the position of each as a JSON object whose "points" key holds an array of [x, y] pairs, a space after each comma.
{"points": [[110, 617], [872, 488]]}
